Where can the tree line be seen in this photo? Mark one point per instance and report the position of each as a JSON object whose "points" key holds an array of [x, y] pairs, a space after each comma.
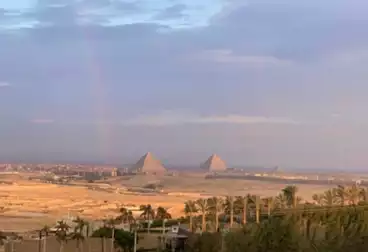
{"points": [[336, 220], [120, 239]]}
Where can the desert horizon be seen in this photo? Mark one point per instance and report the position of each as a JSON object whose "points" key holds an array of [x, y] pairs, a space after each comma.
{"points": [[28, 205]]}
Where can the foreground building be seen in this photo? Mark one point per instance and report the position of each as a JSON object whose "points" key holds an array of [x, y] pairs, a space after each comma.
{"points": [[214, 163]]}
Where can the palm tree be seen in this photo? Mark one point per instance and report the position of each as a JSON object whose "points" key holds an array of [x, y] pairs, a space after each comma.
{"points": [[229, 206], [290, 195], [126, 216], [162, 214], [269, 201], [80, 223], [258, 207], [77, 236], [123, 214], [111, 223], [78, 231], [62, 229], [130, 217], [46, 231], [148, 214], [364, 195], [190, 208], [88, 229], [216, 206], [341, 193], [241, 205], [281, 201], [328, 198], [353, 194], [39, 240], [103, 235], [203, 208], [317, 198]]}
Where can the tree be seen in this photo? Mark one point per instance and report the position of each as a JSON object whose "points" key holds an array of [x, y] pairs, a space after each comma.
{"points": [[216, 206], [341, 192], [148, 214], [45, 230], [78, 237], [317, 198], [162, 214], [111, 223], [123, 239], [270, 202], [364, 195], [241, 205], [206, 242], [102, 233], [126, 216], [290, 194], [308, 228], [258, 207], [123, 214], [203, 209], [229, 207], [353, 194], [328, 198], [80, 224], [39, 240], [62, 229], [281, 201], [190, 208]]}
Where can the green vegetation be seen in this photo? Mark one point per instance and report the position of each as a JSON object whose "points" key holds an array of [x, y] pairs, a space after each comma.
{"points": [[122, 239], [337, 220]]}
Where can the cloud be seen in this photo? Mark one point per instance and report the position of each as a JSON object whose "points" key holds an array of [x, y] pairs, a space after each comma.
{"points": [[42, 121], [172, 12], [115, 13], [4, 84], [178, 118], [226, 56]]}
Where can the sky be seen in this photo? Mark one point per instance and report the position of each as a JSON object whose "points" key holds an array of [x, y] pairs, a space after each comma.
{"points": [[259, 82]]}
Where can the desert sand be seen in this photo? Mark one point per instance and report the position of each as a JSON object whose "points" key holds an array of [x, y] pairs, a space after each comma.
{"points": [[28, 205]]}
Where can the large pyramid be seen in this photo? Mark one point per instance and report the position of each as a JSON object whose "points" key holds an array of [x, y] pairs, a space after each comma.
{"points": [[148, 163], [214, 163]]}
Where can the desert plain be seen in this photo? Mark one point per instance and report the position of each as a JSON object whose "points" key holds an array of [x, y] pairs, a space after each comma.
{"points": [[28, 204]]}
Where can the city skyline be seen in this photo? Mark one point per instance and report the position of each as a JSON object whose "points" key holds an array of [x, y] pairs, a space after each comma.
{"points": [[258, 82]]}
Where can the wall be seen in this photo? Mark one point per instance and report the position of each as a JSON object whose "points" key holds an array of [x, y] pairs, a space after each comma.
{"points": [[52, 245]]}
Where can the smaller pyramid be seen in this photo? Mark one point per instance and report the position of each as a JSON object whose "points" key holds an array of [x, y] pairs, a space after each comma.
{"points": [[148, 164], [214, 163]]}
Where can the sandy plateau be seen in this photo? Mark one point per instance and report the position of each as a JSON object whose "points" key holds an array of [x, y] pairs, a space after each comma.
{"points": [[27, 205]]}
